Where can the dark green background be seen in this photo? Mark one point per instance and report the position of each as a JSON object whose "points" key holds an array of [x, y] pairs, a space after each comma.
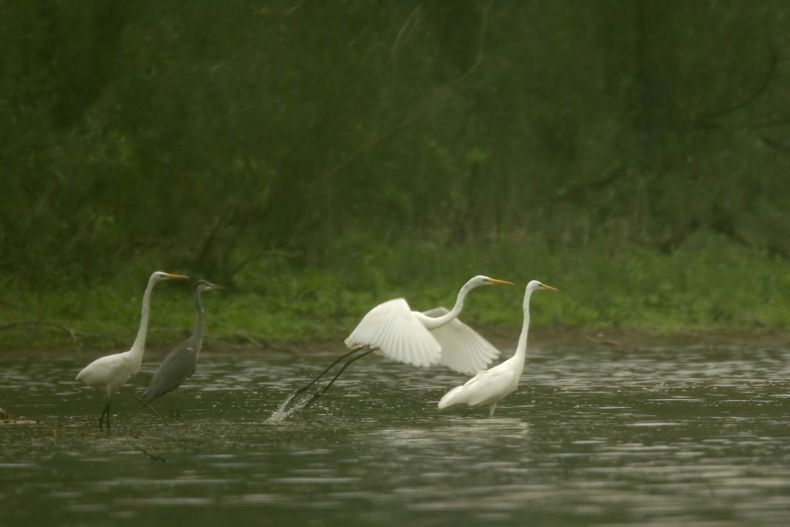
{"points": [[328, 154]]}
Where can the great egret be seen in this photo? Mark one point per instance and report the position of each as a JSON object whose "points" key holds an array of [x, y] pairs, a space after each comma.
{"points": [[488, 387], [111, 371], [181, 362], [422, 339]]}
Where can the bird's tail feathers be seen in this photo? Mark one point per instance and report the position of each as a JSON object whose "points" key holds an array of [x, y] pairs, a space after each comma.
{"points": [[449, 397], [147, 397]]}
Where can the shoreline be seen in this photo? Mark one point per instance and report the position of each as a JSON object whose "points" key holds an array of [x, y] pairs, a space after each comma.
{"points": [[163, 339]]}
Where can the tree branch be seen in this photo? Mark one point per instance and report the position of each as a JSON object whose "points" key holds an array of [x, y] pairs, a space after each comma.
{"points": [[440, 95], [705, 118]]}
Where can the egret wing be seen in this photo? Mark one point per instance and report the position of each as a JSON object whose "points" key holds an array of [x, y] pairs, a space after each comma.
{"points": [[396, 333], [484, 388], [103, 371], [463, 349]]}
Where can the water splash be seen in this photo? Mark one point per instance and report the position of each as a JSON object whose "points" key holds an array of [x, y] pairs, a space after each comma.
{"points": [[284, 411]]}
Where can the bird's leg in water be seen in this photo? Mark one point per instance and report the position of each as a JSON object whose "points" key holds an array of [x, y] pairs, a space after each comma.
{"points": [[315, 380], [105, 411], [177, 400], [147, 406], [491, 409], [346, 365]]}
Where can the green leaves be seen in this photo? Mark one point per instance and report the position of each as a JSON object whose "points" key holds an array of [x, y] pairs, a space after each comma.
{"points": [[209, 137]]}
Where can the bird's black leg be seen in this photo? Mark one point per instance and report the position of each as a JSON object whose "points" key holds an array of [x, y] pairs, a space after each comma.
{"points": [[105, 411], [147, 406], [315, 380], [346, 365], [177, 400]]}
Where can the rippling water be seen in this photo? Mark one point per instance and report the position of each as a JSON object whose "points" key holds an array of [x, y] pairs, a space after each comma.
{"points": [[594, 436]]}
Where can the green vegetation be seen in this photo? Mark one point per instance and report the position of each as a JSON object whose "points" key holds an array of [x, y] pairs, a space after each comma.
{"points": [[319, 158], [709, 285]]}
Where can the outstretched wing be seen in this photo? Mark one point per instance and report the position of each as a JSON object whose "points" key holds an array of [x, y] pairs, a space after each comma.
{"points": [[463, 349], [396, 333]]}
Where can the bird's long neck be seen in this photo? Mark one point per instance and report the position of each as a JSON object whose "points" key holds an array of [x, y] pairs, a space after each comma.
{"points": [[435, 322], [521, 347], [138, 348], [197, 331]]}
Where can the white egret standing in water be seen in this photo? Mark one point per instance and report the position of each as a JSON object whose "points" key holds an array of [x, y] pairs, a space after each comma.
{"points": [[488, 387], [422, 339], [111, 371]]}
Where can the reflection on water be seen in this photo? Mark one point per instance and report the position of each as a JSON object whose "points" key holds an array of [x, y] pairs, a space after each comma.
{"points": [[594, 436]]}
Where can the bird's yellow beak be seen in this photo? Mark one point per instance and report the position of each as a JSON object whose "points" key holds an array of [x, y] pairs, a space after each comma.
{"points": [[549, 288], [172, 276], [496, 281]]}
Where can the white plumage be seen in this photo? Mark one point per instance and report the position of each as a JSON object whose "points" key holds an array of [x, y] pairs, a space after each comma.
{"points": [[463, 349], [393, 329], [109, 372], [424, 339], [489, 387], [112, 371]]}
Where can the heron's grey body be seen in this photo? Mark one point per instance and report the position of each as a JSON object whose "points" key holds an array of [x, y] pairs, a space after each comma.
{"points": [[182, 361]]}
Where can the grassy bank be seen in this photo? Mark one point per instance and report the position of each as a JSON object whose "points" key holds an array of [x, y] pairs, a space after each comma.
{"points": [[710, 284]]}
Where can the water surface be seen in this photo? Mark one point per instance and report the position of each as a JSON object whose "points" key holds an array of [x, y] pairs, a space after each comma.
{"points": [[594, 436]]}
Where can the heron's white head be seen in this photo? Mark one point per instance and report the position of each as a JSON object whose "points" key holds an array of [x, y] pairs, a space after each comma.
{"points": [[534, 285], [477, 281], [158, 276]]}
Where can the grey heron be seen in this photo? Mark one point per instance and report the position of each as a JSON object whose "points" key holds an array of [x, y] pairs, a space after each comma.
{"points": [[181, 362]]}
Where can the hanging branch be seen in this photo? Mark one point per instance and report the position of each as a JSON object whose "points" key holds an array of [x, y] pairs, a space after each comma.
{"points": [[440, 95], [705, 119], [776, 145], [39, 323]]}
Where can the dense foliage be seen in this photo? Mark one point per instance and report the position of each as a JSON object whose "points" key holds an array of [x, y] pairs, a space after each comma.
{"points": [[219, 137]]}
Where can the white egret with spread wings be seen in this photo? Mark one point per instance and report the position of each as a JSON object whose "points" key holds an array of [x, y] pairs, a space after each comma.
{"points": [[438, 336]]}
